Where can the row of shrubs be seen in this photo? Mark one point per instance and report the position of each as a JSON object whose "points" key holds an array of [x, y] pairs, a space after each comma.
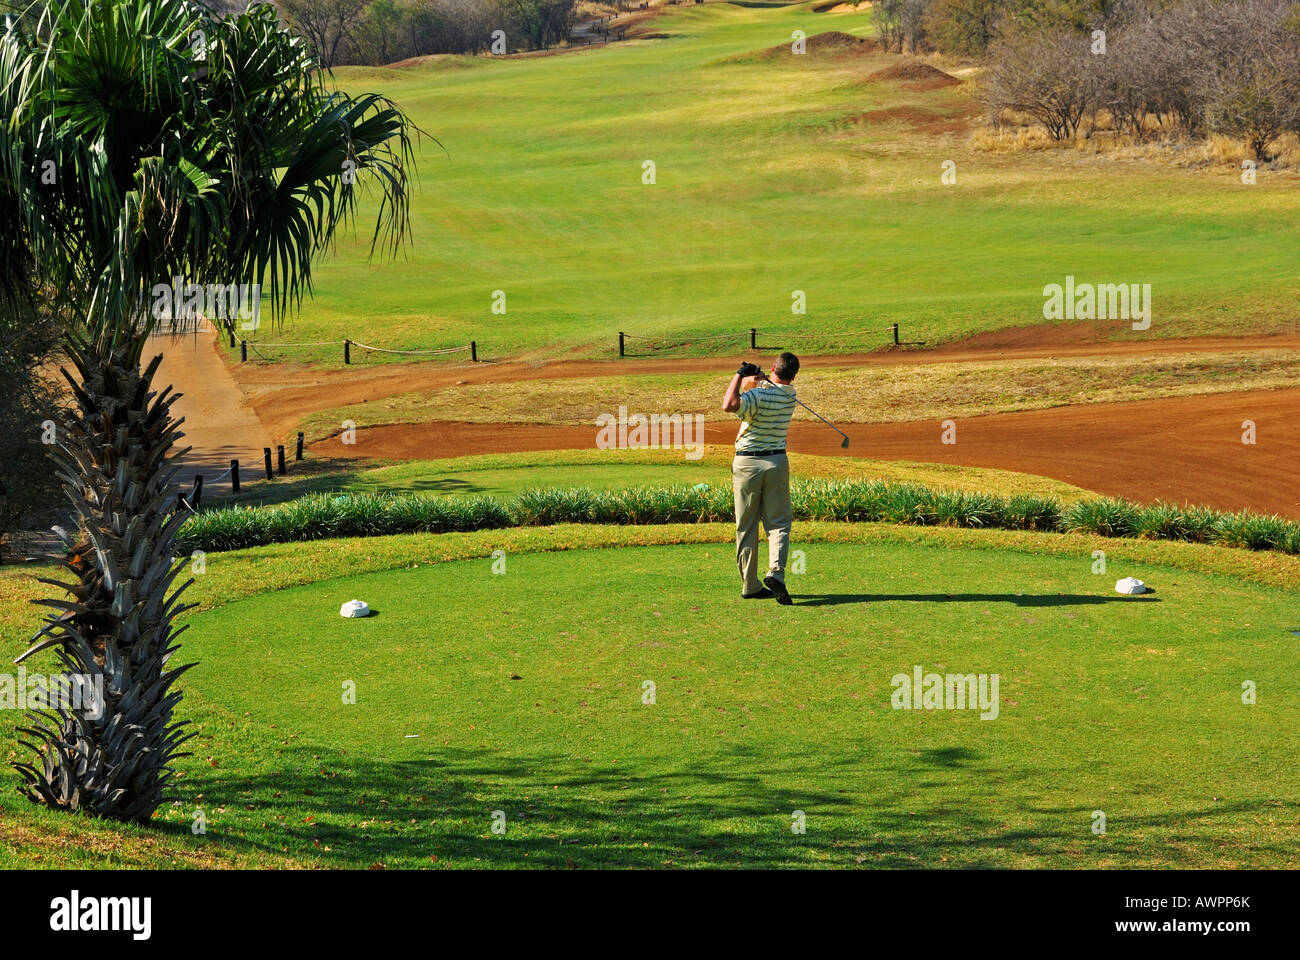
{"points": [[320, 516]]}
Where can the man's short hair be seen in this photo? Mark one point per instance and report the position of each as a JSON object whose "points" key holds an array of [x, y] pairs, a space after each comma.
{"points": [[787, 365]]}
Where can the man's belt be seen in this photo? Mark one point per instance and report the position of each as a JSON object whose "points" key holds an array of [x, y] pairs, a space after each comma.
{"points": [[760, 453]]}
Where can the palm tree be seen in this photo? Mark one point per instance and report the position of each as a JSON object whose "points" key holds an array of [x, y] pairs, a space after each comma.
{"points": [[142, 140]]}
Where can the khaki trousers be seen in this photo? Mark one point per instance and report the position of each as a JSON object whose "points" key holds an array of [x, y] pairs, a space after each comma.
{"points": [[762, 487]]}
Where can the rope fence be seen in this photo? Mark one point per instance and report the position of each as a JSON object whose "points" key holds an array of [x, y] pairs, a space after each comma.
{"points": [[190, 501], [665, 343], [642, 343], [347, 345]]}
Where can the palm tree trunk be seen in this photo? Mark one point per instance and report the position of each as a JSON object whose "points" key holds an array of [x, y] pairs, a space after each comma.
{"points": [[115, 633]]}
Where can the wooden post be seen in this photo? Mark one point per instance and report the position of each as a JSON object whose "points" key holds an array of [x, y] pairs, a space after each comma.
{"points": [[266, 461], [234, 476], [895, 334], [620, 343], [347, 351], [279, 458], [473, 351], [298, 455], [753, 338], [243, 350], [232, 339]]}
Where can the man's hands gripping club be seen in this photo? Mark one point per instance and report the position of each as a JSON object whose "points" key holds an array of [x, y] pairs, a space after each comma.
{"points": [[731, 399]]}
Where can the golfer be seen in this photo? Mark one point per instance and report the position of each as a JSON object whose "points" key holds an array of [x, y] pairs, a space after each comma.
{"points": [[760, 474]]}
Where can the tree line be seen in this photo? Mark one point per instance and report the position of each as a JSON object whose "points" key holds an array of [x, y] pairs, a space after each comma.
{"points": [[379, 32], [1190, 67]]}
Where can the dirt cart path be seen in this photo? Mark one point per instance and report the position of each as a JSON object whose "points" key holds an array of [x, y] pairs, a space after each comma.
{"points": [[283, 394], [219, 424], [1186, 449]]}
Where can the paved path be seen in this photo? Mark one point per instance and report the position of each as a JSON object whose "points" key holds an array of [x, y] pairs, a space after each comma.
{"points": [[219, 425]]}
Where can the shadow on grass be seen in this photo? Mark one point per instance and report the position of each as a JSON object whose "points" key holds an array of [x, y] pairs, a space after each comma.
{"points": [[948, 806], [1019, 599], [283, 489]]}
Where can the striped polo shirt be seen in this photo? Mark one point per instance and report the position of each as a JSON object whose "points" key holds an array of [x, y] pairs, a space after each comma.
{"points": [[766, 412]]}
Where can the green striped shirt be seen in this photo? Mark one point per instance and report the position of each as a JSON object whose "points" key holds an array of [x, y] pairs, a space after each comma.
{"points": [[766, 412]]}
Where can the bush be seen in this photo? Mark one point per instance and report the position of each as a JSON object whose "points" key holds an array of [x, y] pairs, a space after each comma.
{"points": [[30, 495], [1030, 513], [1251, 531], [320, 516], [1105, 516]]}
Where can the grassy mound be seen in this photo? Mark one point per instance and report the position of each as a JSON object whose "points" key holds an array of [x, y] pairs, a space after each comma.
{"points": [[922, 75], [476, 692], [244, 760]]}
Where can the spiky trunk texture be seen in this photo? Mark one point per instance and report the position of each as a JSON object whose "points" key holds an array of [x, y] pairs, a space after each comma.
{"points": [[117, 625]]}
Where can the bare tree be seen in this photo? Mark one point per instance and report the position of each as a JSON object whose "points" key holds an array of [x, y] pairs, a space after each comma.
{"points": [[912, 24], [1250, 88], [964, 26], [887, 15], [1046, 75], [326, 24]]}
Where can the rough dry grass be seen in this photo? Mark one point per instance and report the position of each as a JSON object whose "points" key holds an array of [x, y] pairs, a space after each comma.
{"points": [[872, 395], [1162, 146]]}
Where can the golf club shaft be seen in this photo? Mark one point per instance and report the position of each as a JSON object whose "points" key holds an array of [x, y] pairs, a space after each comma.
{"points": [[812, 411], [821, 418]]}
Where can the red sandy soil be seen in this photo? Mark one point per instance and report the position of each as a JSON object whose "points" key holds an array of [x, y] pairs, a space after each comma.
{"points": [[284, 394], [918, 121], [1183, 449], [917, 76], [1179, 449]]}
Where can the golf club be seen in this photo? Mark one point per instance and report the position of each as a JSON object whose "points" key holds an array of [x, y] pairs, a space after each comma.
{"points": [[845, 444]]}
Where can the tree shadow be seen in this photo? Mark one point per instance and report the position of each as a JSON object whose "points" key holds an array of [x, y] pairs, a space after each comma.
{"points": [[263, 492], [926, 807], [1019, 599]]}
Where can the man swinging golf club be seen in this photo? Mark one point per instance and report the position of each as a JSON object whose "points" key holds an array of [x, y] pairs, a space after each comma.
{"points": [[761, 472]]}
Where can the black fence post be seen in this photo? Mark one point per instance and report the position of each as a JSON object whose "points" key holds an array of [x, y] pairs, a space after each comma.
{"points": [[243, 350], [279, 458], [232, 339], [347, 351], [298, 455], [473, 351], [234, 476], [620, 343], [895, 334], [266, 461], [753, 338], [197, 493]]}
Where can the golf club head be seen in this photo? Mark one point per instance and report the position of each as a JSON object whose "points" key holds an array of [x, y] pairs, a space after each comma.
{"points": [[845, 444]]}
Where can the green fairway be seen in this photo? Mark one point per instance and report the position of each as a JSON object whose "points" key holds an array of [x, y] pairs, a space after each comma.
{"points": [[523, 693], [766, 184]]}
